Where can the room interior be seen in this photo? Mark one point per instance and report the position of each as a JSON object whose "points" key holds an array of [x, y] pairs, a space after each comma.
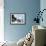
{"points": [[15, 33]]}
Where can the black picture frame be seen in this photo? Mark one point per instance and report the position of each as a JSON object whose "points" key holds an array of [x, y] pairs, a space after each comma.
{"points": [[17, 18]]}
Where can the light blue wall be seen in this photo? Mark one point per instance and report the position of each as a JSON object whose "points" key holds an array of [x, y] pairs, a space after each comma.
{"points": [[30, 7], [43, 6]]}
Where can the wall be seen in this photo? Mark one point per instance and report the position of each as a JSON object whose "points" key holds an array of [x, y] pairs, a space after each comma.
{"points": [[30, 7], [43, 6]]}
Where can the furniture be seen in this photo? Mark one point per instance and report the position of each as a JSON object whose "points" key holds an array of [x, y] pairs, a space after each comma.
{"points": [[39, 33]]}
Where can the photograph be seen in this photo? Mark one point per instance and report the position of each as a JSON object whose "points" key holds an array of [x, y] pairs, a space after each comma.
{"points": [[17, 18]]}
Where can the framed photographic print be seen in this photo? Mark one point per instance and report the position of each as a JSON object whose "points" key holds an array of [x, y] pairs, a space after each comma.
{"points": [[17, 18]]}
